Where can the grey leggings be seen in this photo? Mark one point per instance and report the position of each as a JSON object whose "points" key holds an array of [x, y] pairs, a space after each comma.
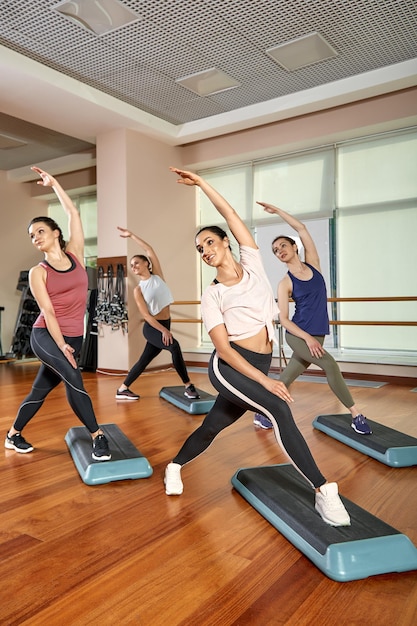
{"points": [[301, 359]]}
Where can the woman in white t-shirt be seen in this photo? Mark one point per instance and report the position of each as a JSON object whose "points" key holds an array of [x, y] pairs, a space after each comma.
{"points": [[238, 309], [153, 297]]}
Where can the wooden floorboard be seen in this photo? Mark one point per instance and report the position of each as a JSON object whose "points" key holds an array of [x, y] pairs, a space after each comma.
{"points": [[125, 553]]}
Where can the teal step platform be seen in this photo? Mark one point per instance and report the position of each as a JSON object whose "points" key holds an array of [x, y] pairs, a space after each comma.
{"points": [[387, 445], [366, 548], [126, 460], [175, 395]]}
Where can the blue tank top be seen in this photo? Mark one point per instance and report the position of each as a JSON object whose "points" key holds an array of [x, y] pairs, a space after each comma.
{"points": [[310, 299]]}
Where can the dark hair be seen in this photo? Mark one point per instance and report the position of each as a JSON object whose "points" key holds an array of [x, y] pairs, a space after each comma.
{"points": [[216, 230], [144, 258], [52, 225], [289, 239], [292, 242]]}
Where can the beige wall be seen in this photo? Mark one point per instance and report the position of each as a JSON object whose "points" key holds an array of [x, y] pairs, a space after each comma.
{"points": [[379, 114], [136, 190], [17, 253]]}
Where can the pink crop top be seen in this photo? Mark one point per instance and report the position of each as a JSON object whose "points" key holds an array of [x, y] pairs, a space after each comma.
{"points": [[244, 308]]}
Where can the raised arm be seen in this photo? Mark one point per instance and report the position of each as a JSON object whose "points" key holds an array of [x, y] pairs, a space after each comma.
{"points": [[75, 228], [149, 251], [236, 225], [311, 254]]}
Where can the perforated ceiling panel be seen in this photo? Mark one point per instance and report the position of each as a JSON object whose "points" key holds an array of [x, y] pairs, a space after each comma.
{"points": [[140, 62]]}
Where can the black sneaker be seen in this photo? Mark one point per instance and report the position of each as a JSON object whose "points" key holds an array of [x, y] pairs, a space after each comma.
{"points": [[191, 392], [126, 394], [18, 443], [101, 450]]}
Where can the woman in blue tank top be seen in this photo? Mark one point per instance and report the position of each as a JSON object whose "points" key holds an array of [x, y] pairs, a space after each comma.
{"points": [[306, 330]]}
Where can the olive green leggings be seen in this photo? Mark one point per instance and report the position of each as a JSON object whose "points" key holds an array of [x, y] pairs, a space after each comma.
{"points": [[301, 359]]}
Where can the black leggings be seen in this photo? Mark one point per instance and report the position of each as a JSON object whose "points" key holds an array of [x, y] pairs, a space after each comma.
{"points": [[154, 346], [237, 394], [54, 368]]}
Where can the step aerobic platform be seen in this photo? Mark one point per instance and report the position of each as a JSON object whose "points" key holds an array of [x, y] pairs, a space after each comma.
{"points": [[126, 460], [365, 548], [387, 445], [196, 406]]}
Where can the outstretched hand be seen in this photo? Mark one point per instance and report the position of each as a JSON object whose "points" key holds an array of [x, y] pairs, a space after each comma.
{"points": [[47, 179], [124, 232], [269, 208], [186, 178]]}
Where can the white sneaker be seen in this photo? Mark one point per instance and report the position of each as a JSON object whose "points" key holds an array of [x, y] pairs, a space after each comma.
{"points": [[330, 506], [172, 480]]}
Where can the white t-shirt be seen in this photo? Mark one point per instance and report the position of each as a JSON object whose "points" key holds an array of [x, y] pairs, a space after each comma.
{"points": [[244, 308], [156, 293]]}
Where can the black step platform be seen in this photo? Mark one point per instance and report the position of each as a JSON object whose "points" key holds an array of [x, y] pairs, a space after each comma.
{"points": [[126, 460], [366, 548], [196, 406], [387, 445]]}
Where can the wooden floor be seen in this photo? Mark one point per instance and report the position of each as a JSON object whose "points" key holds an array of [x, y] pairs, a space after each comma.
{"points": [[125, 553]]}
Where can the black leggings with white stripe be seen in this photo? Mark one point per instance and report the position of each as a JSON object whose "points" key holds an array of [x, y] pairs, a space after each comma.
{"points": [[55, 368], [237, 394]]}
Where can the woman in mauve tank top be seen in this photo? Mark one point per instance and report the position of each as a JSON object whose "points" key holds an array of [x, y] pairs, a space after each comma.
{"points": [[59, 285]]}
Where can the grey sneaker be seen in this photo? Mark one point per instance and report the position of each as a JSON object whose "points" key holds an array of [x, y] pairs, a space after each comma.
{"points": [[17, 442], [330, 506], [172, 480]]}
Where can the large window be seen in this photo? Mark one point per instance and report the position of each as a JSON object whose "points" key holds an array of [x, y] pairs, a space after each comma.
{"points": [[376, 248], [359, 199], [298, 184]]}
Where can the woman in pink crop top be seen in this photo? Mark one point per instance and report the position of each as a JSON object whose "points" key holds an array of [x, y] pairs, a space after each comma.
{"points": [[153, 297], [239, 365], [59, 285], [306, 337]]}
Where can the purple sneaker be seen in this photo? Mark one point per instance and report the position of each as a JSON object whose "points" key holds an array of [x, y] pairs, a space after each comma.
{"points": [[360, 425], [262, 421]]}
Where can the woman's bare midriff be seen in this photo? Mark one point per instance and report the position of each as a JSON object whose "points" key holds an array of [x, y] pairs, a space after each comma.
{"points": [[164, 314], [258, 343]]}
